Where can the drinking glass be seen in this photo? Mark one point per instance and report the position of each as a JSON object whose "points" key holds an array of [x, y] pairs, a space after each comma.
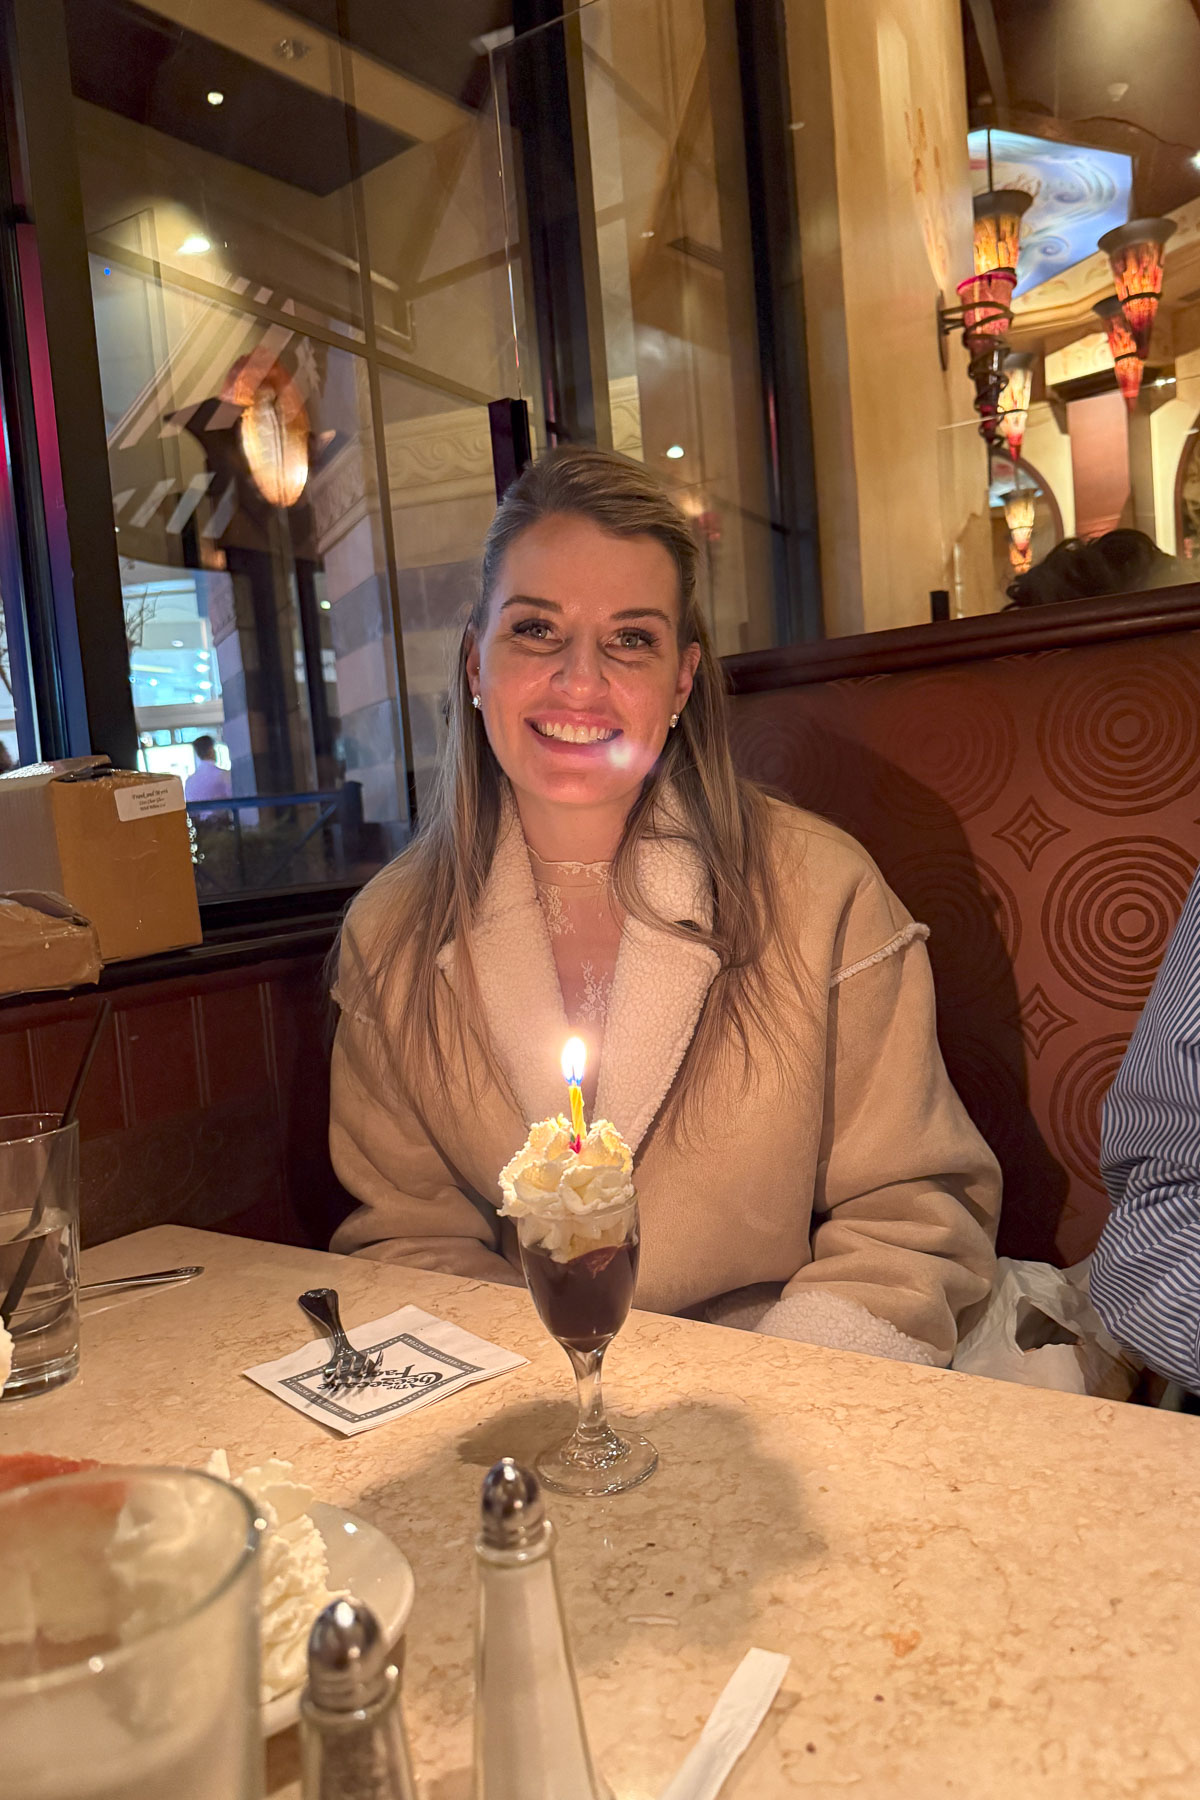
{"points": [[129, 1639], [583, 1301], [39, 1249]]}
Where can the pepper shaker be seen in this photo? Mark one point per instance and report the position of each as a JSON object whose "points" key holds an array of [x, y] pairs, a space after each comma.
{"points": [[353, 1745], [530, 1739]]}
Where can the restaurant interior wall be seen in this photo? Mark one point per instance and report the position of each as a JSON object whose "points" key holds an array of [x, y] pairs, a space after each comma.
{"points": [[885, 223]]}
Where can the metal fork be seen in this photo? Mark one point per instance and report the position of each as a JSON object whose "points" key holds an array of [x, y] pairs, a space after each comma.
{"points": [[347, 1367]]}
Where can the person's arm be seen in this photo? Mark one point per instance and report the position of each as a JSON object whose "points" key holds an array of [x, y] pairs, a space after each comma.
{"points": [[411, 1207], [1145, 1274], [908, 1193]]}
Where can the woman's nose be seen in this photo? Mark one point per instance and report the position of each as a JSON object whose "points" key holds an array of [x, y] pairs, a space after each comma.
{"points": [[580, 673]]}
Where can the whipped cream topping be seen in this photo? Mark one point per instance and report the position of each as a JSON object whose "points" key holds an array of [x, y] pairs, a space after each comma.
{"points": [[568, 1203], [293, 1565]]}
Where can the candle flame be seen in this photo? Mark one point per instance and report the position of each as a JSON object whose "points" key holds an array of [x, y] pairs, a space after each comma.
{"points": [[574, 1059]]}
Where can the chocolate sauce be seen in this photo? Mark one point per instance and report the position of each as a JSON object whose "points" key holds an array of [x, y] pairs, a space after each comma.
{"points": [[584, 1302]]}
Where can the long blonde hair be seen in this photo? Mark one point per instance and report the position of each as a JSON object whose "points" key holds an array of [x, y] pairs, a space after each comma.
{"points": [[440, 878]]}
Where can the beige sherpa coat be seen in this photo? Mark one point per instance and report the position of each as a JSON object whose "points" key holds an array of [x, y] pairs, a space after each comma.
{"points": [[854, 1182]]}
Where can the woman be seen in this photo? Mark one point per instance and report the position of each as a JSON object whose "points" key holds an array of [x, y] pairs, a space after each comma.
{"points": [[758, 1004]]}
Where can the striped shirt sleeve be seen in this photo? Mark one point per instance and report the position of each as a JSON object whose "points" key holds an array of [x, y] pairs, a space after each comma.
{"points": [[1145, 1273]]}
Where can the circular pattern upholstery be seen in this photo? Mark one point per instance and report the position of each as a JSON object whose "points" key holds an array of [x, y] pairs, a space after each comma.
{"points": [[958, 757], [1077, 1102], [973, 919], [1109, 913], [787, 752], [1124, 739]]}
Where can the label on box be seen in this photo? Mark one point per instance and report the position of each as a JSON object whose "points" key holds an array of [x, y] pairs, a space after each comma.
{"points": [[150, 797]]}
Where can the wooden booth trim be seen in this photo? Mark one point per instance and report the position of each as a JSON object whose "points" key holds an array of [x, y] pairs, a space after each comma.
{"points": [[1062, 625]]}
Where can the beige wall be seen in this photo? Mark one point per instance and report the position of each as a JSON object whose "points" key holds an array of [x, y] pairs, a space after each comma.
{"points": [[880, 135]]}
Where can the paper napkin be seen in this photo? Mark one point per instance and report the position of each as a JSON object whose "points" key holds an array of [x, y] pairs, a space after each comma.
{"points": [[741, 1708], [424, 1360]]}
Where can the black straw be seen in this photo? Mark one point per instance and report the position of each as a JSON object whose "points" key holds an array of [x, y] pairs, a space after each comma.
{"points": [[33, 1248]]}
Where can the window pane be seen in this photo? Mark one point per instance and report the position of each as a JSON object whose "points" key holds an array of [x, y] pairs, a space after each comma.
{"points": [[663, 216], [15, 717], [254, 393]]}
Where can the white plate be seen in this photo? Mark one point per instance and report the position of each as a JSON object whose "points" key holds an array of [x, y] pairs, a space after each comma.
{"points": [[366, 1564]]}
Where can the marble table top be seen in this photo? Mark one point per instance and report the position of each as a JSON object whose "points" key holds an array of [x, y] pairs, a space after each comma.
{"points": [[985, 1590]]}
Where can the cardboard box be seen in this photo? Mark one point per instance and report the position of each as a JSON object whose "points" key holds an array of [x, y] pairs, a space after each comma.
{"points": [[113, 842], [45, 943]]}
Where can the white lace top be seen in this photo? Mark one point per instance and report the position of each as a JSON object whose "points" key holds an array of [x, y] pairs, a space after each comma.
{"points": [[585, 935]]}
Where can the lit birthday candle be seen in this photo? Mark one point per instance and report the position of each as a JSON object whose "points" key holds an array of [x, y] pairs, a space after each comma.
{"points": [[574, 1060]]}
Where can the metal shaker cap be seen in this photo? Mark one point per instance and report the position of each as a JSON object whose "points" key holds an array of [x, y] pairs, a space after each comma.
{"points": [[347, 1657], [513, 1515]]}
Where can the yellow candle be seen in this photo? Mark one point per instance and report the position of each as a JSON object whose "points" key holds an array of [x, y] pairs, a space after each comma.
{"points": [[574, 1061]]}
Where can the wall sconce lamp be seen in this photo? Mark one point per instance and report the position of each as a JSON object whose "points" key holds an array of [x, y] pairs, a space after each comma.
{"points": [[1018, 516], [1014, 401], [273, 429], [1127, 362], [998, 215], [983, 317], [1136, 254]]}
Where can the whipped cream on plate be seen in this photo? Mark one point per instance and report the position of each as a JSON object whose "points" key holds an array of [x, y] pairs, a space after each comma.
{"points": [[293, 1565], [573, 1202]]}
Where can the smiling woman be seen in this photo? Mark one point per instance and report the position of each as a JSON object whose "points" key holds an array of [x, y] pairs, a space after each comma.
{"points": [[592, 861]]}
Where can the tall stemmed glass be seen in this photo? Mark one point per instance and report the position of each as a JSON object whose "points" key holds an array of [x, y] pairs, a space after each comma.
{"points": [[583, 1301]]}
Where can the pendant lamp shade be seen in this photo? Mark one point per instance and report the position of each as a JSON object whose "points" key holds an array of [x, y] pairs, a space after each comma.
{"points": [[1136, 254], [1127, 363]]}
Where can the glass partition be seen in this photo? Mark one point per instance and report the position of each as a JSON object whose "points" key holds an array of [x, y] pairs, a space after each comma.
{"points": [[1053, 149]]}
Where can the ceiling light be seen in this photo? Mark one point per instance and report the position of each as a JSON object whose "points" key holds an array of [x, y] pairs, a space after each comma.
{"points": [[215, 97], [325, 605], [675, 451], [177, 643], [194, 245], [204, 684]]}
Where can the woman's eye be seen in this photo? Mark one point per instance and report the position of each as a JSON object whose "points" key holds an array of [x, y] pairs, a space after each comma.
{"points": [[538, 629], [634, 639]]}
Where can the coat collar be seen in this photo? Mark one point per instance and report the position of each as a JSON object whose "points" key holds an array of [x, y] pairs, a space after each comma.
{"points": [[659, 987]]}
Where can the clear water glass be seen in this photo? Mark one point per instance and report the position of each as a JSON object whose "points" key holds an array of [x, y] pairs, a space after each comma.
{"points": [[39, 1206], [583, 1301], [129, 1639]]}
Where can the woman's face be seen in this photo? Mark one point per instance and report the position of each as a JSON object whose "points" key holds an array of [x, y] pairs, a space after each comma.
{"points": [[578, 666]]}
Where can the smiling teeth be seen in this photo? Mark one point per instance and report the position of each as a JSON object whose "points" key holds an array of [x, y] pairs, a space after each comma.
{"points": [[576, 734]]}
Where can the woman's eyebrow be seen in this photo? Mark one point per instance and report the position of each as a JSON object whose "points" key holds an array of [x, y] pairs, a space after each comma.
{"points": [[628, 612], [644, 612], [530, 600]]}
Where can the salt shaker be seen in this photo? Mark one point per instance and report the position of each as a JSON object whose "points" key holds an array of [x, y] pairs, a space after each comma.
{"points": [[530, 1740], [353, 1745]]}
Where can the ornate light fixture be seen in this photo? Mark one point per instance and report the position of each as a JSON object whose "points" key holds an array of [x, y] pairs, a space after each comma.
{"points": [[1127, 363], [1014, 401], [1136, 254], [998, 215], [273, 429], [1018, 516], [984, 316]]}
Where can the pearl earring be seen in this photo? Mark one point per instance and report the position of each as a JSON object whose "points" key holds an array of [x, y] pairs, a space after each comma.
{"points": [[476, 702], [674, 720]]}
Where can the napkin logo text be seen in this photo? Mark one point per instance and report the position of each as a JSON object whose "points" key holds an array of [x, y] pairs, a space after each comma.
{"points": [[425, 1371]]}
